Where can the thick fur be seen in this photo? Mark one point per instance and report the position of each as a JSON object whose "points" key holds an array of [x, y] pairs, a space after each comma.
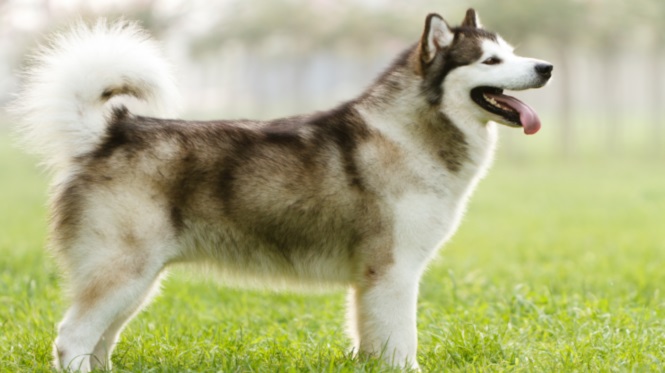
{"points": [[360, 196]]}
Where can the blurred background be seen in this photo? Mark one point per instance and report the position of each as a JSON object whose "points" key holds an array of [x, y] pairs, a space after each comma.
{"points": [[268, 58], [558, 265]]}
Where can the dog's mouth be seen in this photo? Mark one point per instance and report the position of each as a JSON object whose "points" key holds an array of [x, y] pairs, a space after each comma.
{"points": [[512, 111]]}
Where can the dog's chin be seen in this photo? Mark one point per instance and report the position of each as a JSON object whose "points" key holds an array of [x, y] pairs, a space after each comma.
{"points": [[500, 120], [504, 109]]}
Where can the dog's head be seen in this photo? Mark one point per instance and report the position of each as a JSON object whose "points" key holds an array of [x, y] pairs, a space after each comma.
{"points": [[467, 68]]}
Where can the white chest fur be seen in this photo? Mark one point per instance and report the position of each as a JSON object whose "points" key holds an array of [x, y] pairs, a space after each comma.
{"points": [[428, 211]]}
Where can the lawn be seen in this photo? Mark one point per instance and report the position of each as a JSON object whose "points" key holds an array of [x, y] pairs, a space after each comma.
{"points": [[558, 266]]}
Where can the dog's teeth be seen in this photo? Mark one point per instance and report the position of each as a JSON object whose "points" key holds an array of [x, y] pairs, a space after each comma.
{"points": [[493, 102]]}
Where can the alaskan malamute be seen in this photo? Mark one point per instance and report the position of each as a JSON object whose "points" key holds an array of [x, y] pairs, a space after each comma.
{"points": [[361, 195]]}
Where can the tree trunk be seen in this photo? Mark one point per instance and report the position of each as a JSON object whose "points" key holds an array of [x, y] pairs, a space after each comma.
{"points": [[567, 142], [656, 92], [611, 106]]}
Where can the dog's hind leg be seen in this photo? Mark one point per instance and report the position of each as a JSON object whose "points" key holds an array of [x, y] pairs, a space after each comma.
{"points": [[109, 285], [101, 355]]}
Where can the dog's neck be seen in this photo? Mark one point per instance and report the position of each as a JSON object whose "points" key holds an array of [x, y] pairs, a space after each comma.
{"points": [[394, 105]]}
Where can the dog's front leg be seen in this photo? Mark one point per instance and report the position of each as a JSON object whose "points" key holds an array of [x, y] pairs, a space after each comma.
{"points": [[382, 315]]}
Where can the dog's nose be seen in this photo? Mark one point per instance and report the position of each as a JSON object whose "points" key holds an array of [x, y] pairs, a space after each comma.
{"points": [[544, 69]]}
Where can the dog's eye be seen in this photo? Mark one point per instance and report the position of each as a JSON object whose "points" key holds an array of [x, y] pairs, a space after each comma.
{"points": [[492, 61]]}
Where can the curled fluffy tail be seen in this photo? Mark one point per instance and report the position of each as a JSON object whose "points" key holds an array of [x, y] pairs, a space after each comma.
{"points": [[72, 84]]}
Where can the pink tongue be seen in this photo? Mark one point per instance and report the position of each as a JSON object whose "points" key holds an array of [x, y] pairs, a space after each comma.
{"points": [[528, 116]]}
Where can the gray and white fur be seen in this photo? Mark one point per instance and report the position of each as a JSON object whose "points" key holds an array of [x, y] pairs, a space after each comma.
{"points": [[360, 196]]}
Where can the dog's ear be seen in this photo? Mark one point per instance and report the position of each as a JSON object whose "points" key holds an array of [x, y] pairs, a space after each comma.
{"points": [[437, 35], [471, 19]]}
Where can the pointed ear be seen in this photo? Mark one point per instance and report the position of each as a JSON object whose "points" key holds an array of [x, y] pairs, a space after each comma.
{"points": [[437, 35], [471, 19]]}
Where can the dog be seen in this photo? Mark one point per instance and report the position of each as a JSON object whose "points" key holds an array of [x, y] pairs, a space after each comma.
{"points": [[361, 195]]}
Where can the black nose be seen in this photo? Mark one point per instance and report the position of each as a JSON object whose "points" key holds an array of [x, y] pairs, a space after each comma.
{"points": [[544, 69]]}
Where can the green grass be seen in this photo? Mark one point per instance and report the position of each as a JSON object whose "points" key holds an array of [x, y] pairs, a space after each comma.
{"points": [[558, 266]]}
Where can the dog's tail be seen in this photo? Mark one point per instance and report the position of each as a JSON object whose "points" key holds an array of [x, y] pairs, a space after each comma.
{"points": [[73, 83]]}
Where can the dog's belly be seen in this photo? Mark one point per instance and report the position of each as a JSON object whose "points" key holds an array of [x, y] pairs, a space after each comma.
{"points": [[274, 234], [246, 256]]}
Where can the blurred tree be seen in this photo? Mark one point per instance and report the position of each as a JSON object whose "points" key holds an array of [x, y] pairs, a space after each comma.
{"points": [[294, 33], [608, 34], [311, 25], [651, 18]]}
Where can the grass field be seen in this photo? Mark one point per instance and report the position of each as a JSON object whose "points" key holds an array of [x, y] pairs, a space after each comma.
{"points": [[558, 266]]}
